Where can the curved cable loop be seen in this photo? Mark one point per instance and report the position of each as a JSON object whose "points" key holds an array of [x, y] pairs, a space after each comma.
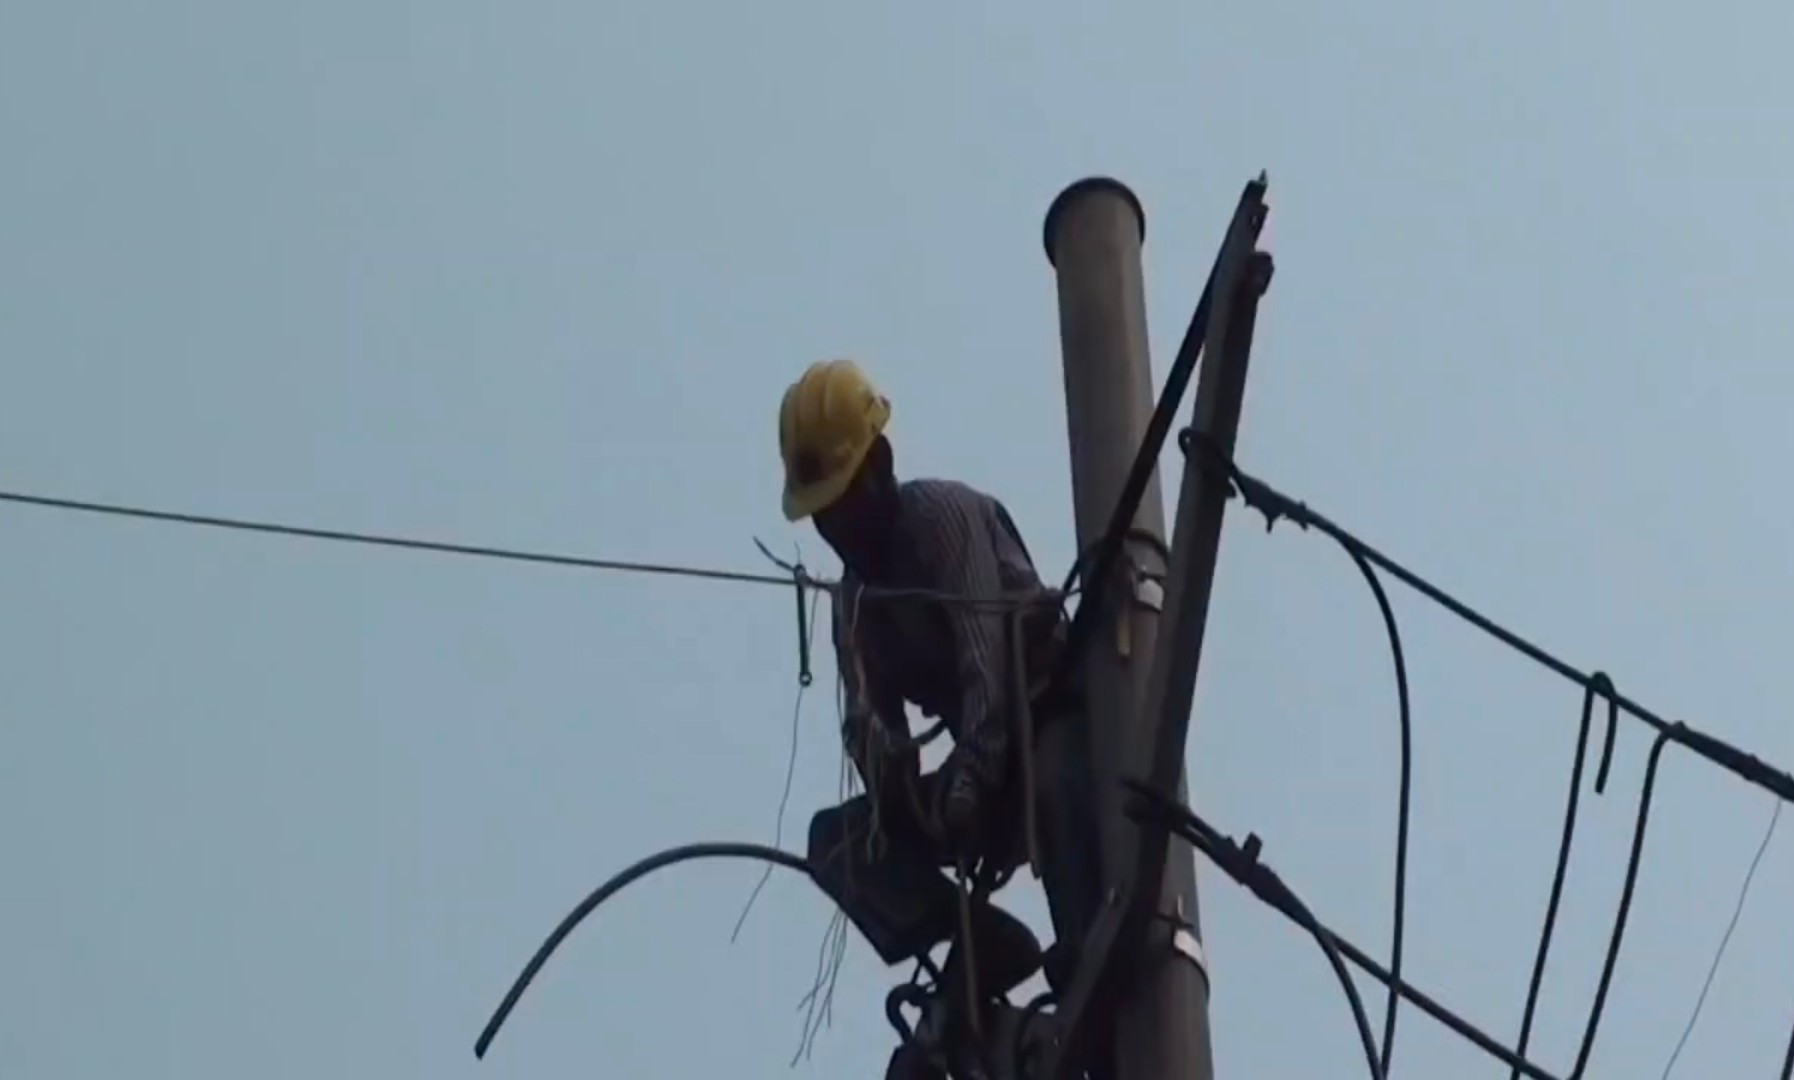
{"points": [[1673, 733], [1276, 506], [620, 881], [1404, 798], [1598, 685]]}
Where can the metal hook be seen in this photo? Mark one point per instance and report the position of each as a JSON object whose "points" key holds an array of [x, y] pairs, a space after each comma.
{"points": [[1600, 685], [800, 578]]}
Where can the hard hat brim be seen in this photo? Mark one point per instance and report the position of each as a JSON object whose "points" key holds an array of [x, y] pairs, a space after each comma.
{"points": [[805, 500], [810, 499], [802, 502]]}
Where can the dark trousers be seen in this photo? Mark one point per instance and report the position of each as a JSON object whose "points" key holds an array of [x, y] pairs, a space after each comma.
{"points": [[894, 890]]}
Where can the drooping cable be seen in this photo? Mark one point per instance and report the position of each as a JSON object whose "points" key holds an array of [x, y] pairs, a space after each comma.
{"points": [[1599, 686], [807, 635], [628, 876], [1624, 910], [1404, 797], [386, 540], [1275, 505]]}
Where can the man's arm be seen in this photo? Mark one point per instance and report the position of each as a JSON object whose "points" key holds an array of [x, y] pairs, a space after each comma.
{"points": [[872, 717], [952, 529]]}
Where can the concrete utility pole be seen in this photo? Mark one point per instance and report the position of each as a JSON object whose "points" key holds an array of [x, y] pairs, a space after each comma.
{"points": [[1142, 977], [1094, 231]]}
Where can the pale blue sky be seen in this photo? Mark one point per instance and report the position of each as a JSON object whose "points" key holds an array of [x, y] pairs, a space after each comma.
{"points": [[537, 273]]}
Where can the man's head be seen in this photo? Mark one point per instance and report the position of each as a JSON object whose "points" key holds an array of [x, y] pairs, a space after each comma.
{"points": [[838, 464]]}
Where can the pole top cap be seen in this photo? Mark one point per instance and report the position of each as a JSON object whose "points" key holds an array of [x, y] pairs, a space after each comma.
{"points": [[1090, 185]]}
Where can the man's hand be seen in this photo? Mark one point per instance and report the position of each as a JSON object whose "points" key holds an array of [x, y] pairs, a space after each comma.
{"points": [[957, 805]]}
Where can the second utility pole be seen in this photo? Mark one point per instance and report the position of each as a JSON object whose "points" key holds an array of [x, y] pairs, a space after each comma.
{"points": [[1094, 232]]}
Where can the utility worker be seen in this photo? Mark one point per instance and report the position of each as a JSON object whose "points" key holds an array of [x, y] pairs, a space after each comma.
{"points": [[936, 582]]}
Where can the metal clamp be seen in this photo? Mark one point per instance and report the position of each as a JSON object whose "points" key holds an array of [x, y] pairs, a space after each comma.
{"points": [[1184, 941]]}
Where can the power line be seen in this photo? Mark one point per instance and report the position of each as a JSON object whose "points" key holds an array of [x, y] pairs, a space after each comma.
{"points": [[386, 540], [1274, 505], [793, 575], [1241, 863]]}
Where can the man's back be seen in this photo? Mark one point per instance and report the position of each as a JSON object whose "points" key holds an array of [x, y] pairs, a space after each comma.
{"points": [[958, 564]]}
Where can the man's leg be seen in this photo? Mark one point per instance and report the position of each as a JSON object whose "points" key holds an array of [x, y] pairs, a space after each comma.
{"points": [[893, 890], [887, 883]]}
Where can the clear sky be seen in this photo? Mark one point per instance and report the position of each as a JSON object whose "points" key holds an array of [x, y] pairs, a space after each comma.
{"points": [[537, 273]]}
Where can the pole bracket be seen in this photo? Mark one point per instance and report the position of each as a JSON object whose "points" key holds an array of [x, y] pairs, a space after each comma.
{"points": [[1184, 941]]}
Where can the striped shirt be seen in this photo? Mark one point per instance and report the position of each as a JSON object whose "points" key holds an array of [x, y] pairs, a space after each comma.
{"points": [[951, 660]]}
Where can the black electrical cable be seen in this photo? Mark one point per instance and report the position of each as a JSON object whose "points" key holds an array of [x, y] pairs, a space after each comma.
{"points": [[1672, 733], [1273, 504], [1455, 1023], [1788, 1062], [384, 540], [1242, 865], [629, 875], [794, 575], [1249, 213], [1599, 685], [1399, 932]]}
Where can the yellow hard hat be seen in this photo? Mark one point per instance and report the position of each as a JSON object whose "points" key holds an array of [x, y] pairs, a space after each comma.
{"points": [[829, 419]]}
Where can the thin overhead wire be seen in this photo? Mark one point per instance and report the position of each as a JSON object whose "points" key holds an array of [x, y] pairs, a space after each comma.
{"points": [[1725, 940], [386, 540], [508, 554], [818, 1004], [797, 713]]}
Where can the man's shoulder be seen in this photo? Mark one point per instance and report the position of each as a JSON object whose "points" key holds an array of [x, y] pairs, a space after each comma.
{"points": [[927, 493]]}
